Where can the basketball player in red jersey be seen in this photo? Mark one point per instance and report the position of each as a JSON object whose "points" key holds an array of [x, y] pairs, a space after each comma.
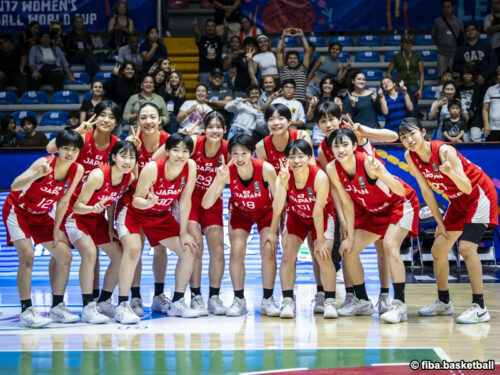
{"points": [[384, 207], [252, 183], [305, 190], [473, 207], [88, 228], [47, 182], [161, 182]]}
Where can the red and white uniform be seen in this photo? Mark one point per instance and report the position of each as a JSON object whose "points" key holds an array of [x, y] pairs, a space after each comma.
{"points": [[95, 225], [367, 149], [26, 213], [251, 201], [157, 222], [375, 205], [300, 207], [206, 170], [274, 156], [480, 206], [327, 151]]}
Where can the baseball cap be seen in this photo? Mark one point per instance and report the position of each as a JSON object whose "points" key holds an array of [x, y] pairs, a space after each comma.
{"points": [[216, 71]]}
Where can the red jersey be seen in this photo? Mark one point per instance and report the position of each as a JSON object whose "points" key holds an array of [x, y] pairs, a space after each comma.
{"points": [[274, 156], [254, 197], [206, 168], [143, 156], [327, 151], [42, 194], [91, 158], [442, 182]]}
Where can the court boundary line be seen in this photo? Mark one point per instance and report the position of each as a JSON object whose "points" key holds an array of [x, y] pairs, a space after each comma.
{"points": [[442, 354]]}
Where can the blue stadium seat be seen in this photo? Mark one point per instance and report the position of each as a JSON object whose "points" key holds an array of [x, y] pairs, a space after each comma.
{"points": [[369, 41], [8, 97], [34, 97], [431, 73], [367, 56], [18, 115], [393, 40], [373, 74], [393, 76], [484, 37], [428, 55], [344, 40], [82, 78], [51, 136], [102, 76], [388, 55], [54, 118], [289, 41], [318, 41], [87, 96], [429, 92], [1, 115], [344, 56], [314, 57], [423, 40], [65, 97]]}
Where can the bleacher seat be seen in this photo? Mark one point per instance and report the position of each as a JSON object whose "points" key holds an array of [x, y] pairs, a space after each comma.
{"points": [[388, 55], [54, 118], [484, 37], [315, 56], [318, 41], [373, 74], [87, 96], [393, 40], [431, 73], [82, 78], [428, 55], [18, 115], [8, 97], [34, 97], [423, 40], [429, 92], [1, 115], [367, 56], [65, 97], [289, 41], [102, 76], [344, 40], [369, 41], [344, 56]]}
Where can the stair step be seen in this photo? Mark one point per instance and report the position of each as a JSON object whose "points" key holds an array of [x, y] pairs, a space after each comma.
{"points": [[181, 46], [183, 59]]}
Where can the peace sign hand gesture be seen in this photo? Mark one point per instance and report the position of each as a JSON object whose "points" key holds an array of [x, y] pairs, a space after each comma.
{"points": [[446, 168], [375, 165], [151, 198], [44, 168], [134, 137], [116, 68], [87, 126], [222, 171], [284, 173]]}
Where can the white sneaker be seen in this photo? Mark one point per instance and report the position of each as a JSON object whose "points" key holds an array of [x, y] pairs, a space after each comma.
{"points": [[61, 314], [474, 314], [125, 314], [216, 306], [383, 303], [198, 304], [287, 308], [107, 308], [32, 319], [359, 307], [239, 307], [160, 304], [350, 299], [179, 308], [330, 309], [268, 307], [437, 308], [137, 307], [91, 314], [319, 303], [396, 313]]}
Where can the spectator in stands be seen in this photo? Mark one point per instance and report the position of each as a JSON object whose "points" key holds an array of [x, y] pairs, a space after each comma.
{"points": [[56, 34], [454, 127], [174, 94], [218, 95], [394, 104], [491, 112], [146, 94], [264, 61], [241, 62], [30, 37], [120, 26], [445, 77], [447, 34], [476, 55], [268, 85], [291, 67], [159, 79], [122, 84], [79, 48], [227, 14], [87, 107], [8, 135], [247, 30], [439, 108], [410, 70], [328, 65], [31, 138], [47, 63], [131, 53], [192, 112], [73, 120], [151, 50], [492, 27], [210, 49], [363, 105], [471, 95], [287, 98], [247, 114], [13, 62], [235, 49]]}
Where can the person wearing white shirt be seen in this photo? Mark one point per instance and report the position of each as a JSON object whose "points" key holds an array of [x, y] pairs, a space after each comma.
{"points": [[194, 111], [491, 112], [288, 91]]}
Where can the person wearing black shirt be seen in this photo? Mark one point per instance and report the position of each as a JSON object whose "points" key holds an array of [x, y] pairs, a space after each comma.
{"points": [[79, 48], [242, 79], [13, 61], [122, 83], [228, 10], [8, 134]]}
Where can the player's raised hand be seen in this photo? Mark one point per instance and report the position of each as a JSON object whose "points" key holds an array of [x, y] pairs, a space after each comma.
{"points": [[446, 167], [284, 173], [88, 125], [222, 170], [44, 168], [375, 165], [151, 198], [134, 137]]}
